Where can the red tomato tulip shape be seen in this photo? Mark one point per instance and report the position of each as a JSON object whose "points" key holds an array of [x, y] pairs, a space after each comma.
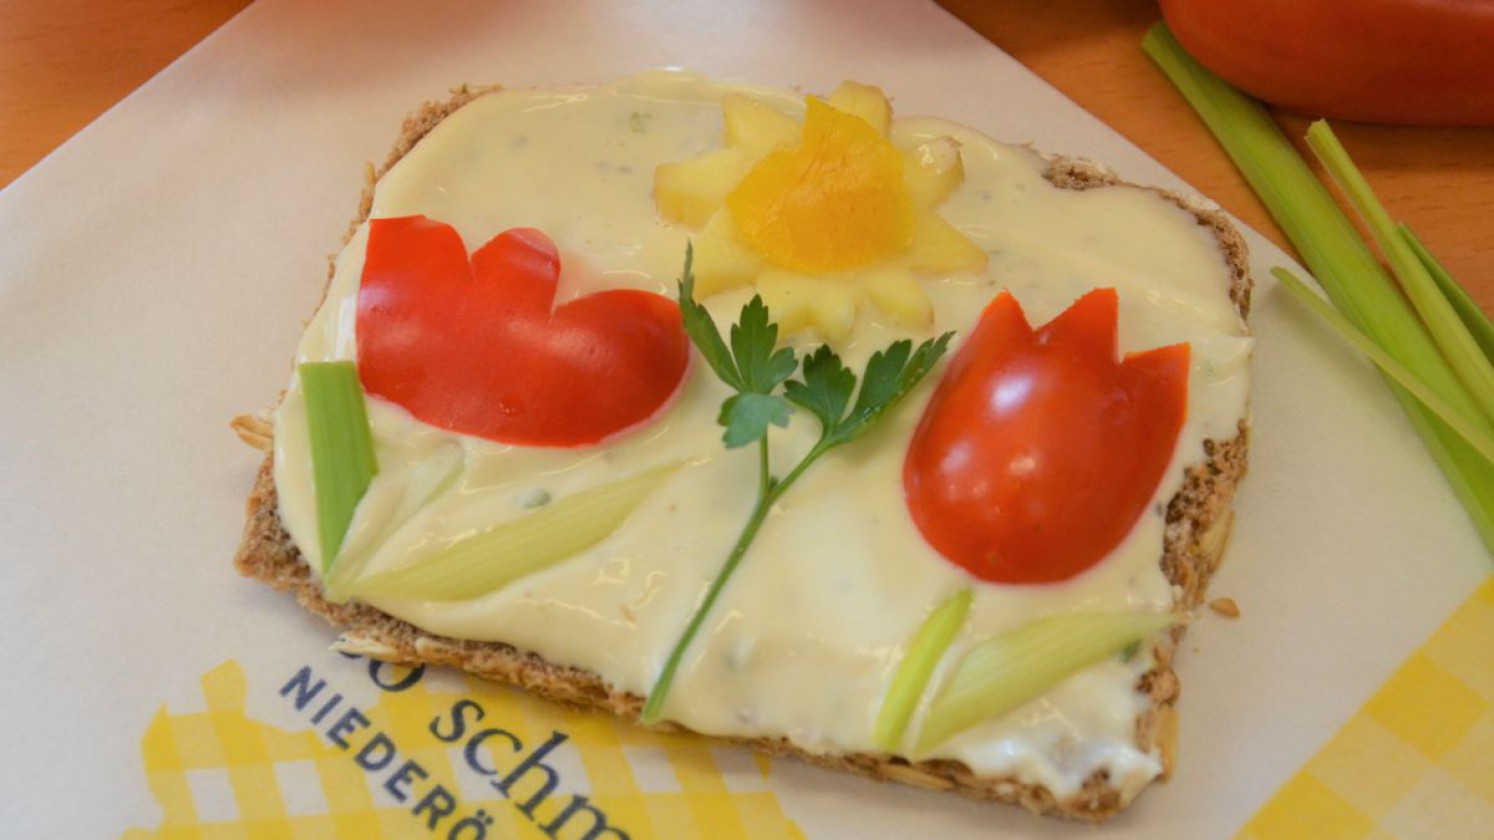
{"points": [[1038, 451], [474, 346]]}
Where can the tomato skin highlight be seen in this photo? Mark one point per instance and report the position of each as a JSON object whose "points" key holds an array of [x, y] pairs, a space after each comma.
{"points": [[1038, 452], [473, 346], [1406, 62]]}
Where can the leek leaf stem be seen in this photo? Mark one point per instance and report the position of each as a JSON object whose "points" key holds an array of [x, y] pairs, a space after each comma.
{"points": [[1004, 672], [504, 553], [1477, 438], [913, 673], [1342, 263], [1473, 316], [1458, 346], [342, 453]]}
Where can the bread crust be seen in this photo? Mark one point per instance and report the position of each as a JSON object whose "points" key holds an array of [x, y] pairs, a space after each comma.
{"points": [[1198, 520]]}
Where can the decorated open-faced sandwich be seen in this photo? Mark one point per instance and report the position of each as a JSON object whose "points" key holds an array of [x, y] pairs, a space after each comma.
{"points": [[777, 419]]}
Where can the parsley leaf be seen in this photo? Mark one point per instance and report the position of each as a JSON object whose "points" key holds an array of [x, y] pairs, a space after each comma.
{"points": [[750, 366], [753, 337], [746, 417], [826, 388], [890, 375], [702, 330]]}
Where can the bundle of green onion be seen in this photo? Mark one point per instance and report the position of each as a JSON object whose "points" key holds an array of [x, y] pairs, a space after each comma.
{"points": [[1436, 350]]}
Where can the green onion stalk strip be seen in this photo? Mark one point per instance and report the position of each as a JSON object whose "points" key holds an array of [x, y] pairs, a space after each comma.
{"points": [[1466, 426], [1473, 317], [1458, 345], [1004, 672], [1343, 264], [917, 668], [342, 452], [491, 559]]}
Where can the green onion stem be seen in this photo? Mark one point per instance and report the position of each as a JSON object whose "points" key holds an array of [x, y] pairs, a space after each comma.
{"points": [[1343, 264], [491, 559], [337, 586], [1478, 438], [1473, 316], [342, 453], [1458, 346], [912, 677], [1004, 672]]}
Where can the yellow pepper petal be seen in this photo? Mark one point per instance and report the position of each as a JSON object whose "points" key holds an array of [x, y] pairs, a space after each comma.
{"points": [[755, 127], [689, 191], [721, 260], [895, 291], [939, 248], [827, 306], [865, 101]]}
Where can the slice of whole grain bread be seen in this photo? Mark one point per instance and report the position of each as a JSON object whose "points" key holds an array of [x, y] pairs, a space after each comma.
{"points": [[1198, 522]]}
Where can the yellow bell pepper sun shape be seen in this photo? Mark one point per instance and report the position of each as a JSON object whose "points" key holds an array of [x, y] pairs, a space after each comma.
{"points": [[822, 217]]}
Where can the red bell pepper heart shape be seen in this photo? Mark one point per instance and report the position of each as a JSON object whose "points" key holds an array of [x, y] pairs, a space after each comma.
{"points": [[473, 346], [1038, 452]]}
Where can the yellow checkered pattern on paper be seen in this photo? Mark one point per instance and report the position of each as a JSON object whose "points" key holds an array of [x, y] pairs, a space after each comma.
{"points": [[696, 800], [1417, 761]]}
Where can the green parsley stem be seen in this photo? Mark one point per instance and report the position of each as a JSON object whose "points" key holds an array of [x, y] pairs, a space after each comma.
{"points": [[819, 449], [768, 495], [764, 477], [755, 370], [655, 704]]}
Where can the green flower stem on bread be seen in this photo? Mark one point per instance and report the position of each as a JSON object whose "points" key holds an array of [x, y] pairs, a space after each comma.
{"points": [[755, 368]]}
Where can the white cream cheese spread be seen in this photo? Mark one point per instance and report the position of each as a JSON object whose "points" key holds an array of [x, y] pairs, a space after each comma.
{"points": [[809, 632]]}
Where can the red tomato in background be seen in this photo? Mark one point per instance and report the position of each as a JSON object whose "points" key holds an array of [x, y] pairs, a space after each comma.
{"points": [[1039, 451], [1411, 62]]}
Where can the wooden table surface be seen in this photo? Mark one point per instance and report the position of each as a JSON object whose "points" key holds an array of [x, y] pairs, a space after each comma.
{"points": [[64, 62]]}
